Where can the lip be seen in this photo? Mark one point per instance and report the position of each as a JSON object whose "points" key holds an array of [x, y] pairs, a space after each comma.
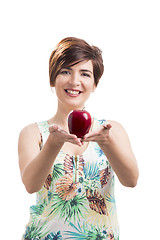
{"points": [[73, 95], [72, 89]]}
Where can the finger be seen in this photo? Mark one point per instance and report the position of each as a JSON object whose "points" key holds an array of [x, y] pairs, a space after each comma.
{"points": [[76, 141], [81, 140], [79, 143], [107, 126], [73, 139], [53, 128], [91, 134], [72, 136], [92, 137]]}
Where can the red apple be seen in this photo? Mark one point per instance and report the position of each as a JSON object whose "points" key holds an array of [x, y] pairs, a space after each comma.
{"points": [[79, 122]]}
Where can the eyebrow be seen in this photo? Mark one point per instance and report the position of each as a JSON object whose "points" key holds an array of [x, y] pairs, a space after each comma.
{"points": [[86, 70], [81, 70]]}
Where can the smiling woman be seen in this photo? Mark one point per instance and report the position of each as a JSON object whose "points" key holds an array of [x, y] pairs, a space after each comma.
{"points": [[71, 51], [73, 177], [75, 82]]}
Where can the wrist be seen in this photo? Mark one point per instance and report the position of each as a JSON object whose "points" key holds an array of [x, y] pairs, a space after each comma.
{"points": [[106, 141], [53, 142]]}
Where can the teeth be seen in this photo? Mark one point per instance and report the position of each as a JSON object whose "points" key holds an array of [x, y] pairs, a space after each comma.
{"points": [[73, 92]]}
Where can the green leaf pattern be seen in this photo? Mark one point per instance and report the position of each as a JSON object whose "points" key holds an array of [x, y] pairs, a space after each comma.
{"points": [[68, 209]]}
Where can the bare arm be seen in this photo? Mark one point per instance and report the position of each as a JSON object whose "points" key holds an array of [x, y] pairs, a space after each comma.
{"points": [[116, 146], [35, 165]]}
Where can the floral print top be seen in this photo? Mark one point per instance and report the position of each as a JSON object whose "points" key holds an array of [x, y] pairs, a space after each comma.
{"points": [[77, 200]]}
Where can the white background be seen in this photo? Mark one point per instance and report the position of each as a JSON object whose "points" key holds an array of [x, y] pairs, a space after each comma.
{"points": [[128, 32]]}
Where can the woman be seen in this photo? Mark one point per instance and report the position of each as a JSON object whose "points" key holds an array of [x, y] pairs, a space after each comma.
{"points": [[68, 207]]}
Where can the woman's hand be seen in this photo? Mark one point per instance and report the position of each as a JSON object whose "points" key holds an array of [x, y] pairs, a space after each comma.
{"points": [[60, 136], [100, 135], [116, 146]]}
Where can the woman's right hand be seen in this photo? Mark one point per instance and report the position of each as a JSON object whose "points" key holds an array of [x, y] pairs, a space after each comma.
{"points": [[36, 164], [60, 136]]}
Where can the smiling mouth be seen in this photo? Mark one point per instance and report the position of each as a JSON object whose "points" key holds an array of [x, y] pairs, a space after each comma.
{"points": [[72, 92]]}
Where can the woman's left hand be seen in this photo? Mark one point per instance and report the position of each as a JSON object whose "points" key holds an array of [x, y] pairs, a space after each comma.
{"points": [[116, 146], [100, 135]]}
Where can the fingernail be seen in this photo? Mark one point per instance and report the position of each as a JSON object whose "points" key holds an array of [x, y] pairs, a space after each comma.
{"points": [[108, 126]]}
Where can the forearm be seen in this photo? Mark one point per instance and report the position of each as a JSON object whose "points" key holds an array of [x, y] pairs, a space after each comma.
{"points": [[122, 161], [37, 170]]}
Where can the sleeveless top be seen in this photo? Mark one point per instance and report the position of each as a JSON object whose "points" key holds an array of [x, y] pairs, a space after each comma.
{"points": [[77, 200]]}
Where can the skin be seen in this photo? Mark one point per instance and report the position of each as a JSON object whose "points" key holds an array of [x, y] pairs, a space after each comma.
{"points": [[35, 165]]}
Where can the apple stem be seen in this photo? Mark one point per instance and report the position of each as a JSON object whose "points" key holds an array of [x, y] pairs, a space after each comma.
{"points": [[83, 108]]}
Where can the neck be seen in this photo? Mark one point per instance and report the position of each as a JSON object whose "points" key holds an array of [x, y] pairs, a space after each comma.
{"points": [[61, 118]]}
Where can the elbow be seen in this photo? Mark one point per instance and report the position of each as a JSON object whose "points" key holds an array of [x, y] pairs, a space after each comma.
{"points": [[30, 190], [133, 179], [131, 182], [29, 186]]}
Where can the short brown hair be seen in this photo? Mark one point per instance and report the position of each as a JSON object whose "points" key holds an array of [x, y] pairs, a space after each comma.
{"points": [[71, 51]]}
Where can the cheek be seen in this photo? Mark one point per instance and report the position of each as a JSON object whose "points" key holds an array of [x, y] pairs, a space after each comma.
{"points": [[59, 82], [90, 86], [58, 86]]}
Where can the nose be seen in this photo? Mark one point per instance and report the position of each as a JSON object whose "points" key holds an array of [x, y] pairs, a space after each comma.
{"points": [[74, 79]]}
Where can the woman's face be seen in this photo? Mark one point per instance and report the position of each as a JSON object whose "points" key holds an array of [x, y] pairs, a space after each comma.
{"points": [[74, 85]]}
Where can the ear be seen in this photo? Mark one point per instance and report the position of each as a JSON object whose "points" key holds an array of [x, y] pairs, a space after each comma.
{"points": [[53, 89]]}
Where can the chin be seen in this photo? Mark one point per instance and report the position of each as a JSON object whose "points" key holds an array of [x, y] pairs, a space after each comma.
{"points": [[74, 106]]}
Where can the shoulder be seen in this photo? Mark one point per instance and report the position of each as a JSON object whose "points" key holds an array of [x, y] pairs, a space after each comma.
{"points": [[114, 124], [30, 130], [119, 131]]}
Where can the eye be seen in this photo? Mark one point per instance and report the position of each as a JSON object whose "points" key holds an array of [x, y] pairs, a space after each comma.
{"points": [[64, 72], [86, 75]]}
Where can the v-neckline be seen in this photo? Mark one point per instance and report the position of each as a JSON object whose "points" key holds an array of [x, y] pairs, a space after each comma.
{"points": [[82, 154]]}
